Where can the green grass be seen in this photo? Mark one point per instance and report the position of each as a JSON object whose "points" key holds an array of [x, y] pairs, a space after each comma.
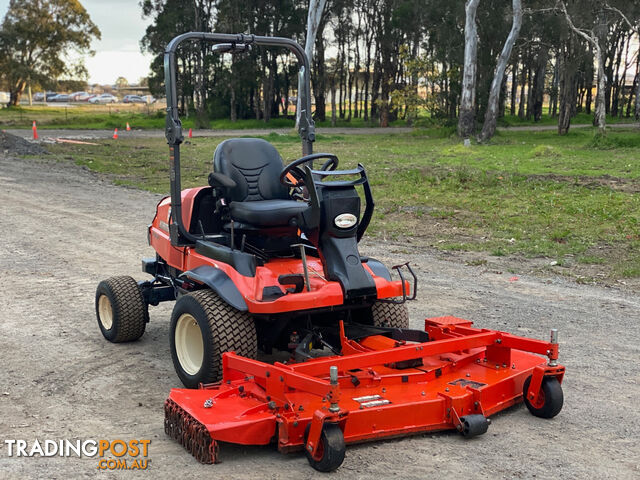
{"points": [[579, 119], [84, 116], [528, 193]]}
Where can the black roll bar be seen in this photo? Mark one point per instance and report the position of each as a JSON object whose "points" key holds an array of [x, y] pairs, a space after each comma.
{"points": [[173, 131]]}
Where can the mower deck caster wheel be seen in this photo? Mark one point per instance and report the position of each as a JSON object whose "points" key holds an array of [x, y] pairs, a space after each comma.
{"points": [[473, 425], [121, 310], [330, 454], [550, 398]]}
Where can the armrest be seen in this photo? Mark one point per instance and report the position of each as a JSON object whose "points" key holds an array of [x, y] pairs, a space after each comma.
{"points": [[219, 180]]}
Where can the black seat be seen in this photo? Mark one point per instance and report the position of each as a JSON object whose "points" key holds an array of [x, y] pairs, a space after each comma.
{"points": [[258, 198]]}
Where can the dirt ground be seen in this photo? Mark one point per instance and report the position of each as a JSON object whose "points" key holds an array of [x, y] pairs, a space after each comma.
{"points": [[63, 229]]}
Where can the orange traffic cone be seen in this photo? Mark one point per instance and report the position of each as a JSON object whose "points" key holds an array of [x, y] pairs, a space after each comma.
{"points": [[190, 133], [115, 134], [128, 127], [35, 131]]}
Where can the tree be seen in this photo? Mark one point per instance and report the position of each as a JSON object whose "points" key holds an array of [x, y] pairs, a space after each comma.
{"points": [[467, 118], [491, 116], [316, 7], [594, 38], [635, 28], [121, 83], [35, 37]]}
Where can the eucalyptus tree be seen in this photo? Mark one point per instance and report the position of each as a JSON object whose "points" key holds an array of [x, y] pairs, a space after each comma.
{"points": [[35, 37]]}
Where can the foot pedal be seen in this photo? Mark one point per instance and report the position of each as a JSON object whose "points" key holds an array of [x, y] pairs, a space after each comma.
{"points": [[296, 280]]}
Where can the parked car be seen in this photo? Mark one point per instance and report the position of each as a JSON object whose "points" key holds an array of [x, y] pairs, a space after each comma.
{"points": [[38, 97], [104, 98], [74, 96], [133, 99], [50, 95], [85, 97], [62, 97], [149, 99]]}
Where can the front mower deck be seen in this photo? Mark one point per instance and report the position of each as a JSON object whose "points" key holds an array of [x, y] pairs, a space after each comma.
{"points": [[377, 388]]}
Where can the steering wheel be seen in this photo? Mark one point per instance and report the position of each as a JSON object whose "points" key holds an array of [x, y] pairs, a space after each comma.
{"points": [[298, 173]]}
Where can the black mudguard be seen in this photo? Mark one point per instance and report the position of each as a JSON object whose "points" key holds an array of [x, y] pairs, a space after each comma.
{"points": [[378, 268], [219, 282]]}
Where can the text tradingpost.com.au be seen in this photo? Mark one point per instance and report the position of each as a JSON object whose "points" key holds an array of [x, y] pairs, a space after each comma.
{"points": [[128, 455]]}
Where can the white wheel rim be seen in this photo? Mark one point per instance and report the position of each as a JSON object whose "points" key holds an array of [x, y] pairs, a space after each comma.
{"points": [[189, 344], [106, 312]]}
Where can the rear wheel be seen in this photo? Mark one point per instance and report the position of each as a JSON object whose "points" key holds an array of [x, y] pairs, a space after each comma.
{"points": [[550, 398], [121, 310], [390, 315], [203, 327]]}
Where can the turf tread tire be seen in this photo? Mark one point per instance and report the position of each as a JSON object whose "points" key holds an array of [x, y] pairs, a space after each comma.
{"points": [[391, 315], [130, 311], [228, 330]]}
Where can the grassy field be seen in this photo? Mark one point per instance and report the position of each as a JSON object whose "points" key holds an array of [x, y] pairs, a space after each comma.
{"points": [[83, 116], [572, 200]]}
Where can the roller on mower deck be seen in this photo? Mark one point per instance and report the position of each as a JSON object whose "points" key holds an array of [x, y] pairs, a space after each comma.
{"points": [[388, 383]]}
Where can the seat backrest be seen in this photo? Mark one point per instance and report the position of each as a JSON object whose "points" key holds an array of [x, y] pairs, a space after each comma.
{"points": [[255, 165]]}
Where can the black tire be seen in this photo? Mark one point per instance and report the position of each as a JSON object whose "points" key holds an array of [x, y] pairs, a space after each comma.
{"points": [[121, 310], [222, 329], [331, 449], [473, 425], [551, 401], [391, 315]]}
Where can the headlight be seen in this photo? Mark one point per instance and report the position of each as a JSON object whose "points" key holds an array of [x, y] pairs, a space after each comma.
{"points": [[345, 220]]}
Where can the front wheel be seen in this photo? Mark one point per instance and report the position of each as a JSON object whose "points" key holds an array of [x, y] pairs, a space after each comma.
{"points": [[550, 398], [391, 315], [330, 452], [203, 327]]}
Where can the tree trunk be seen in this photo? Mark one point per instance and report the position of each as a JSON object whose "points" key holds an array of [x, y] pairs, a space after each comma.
{"points": [[319, 78], [523, 84], [600, 119], [567, 85], [491, 116], [333, 103], [514, 86], [15, 92], [316, 7], [200, 90], [375, 89], [538, 84], [233, 106], [633, 89], [350, 82], [637, 105], [467, 117], [553, 100], [367, 78]]}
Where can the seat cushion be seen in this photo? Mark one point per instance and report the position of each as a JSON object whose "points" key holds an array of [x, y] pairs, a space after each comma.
{"points": [[266, 213], [255, 165]]}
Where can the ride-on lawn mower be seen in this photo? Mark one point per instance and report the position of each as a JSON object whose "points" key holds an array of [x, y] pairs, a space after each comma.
{"points": [[266, 257]]}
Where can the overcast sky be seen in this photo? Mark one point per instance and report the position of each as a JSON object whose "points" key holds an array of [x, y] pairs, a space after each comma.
{"points": [[118, 53]]}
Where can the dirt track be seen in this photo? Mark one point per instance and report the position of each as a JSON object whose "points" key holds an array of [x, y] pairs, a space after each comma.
{"points": [[63, 229]]}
